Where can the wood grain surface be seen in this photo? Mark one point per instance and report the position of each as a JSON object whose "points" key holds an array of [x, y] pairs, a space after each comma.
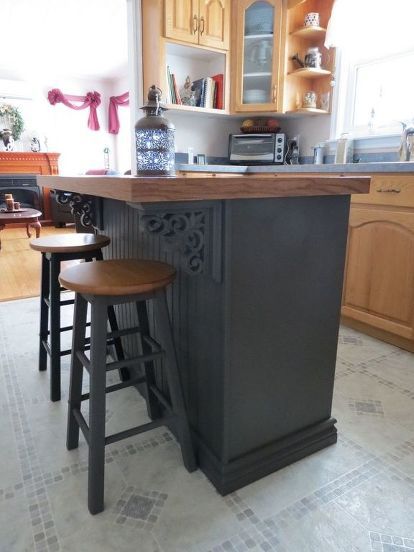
{"points": [[191, 187]]}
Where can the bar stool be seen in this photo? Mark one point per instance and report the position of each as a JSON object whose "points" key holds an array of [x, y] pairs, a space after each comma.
{"points": [[104, 284], [55, 249]]}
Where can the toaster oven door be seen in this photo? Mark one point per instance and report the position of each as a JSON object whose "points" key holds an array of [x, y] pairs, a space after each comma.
{"points": [[252, 148]]}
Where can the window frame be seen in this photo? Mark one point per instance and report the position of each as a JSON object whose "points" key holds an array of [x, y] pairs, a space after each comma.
{"points": [[344, 100]]}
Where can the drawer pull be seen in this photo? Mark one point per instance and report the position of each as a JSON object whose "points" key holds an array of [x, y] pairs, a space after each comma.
{"points": [[202, 26], [274, 93], [389, 190], [195, 24]]}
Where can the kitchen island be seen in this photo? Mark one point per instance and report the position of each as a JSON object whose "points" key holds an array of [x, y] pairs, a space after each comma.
{"points": [[255, 307]]}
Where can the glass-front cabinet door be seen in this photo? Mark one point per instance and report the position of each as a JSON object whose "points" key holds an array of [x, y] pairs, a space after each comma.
{"points": [[258, 56]]}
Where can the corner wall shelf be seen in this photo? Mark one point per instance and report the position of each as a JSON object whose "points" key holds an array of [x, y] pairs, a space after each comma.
{"points": [[311, 33], [195, 109], [310, 73], [309, 110]]}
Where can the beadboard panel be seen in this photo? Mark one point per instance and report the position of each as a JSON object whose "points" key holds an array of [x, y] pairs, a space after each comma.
{"points": [[195, 298]]}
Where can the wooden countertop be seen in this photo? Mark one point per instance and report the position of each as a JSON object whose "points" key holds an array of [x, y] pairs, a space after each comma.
{"points": [[193, 187]]}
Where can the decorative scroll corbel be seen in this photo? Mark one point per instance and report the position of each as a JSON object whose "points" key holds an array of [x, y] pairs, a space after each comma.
{"points": [[86, 208], [192, 230], [182, 231]]}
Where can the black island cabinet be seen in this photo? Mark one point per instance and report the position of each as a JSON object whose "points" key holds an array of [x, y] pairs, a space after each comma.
{"points": [[255, 308]]}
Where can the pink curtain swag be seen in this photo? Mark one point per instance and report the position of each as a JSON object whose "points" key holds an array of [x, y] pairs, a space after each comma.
{"points": [[91, 100], [113, 119]]}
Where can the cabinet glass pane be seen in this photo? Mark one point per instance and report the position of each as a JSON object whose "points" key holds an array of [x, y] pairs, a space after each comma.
{"points": [[258, 53]]}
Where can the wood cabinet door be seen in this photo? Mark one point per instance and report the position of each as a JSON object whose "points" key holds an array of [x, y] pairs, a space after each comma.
{"points": [[214, 23], [181, 20], [379, 276], [256, 63]]}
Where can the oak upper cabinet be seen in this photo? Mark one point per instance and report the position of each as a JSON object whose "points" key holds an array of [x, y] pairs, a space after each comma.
{"points": [[378, 292], [181, 20], [214, 23], [204, 22], [257, 47]]}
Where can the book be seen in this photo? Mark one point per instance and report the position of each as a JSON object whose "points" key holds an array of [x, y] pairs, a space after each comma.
{"points": [[214, 95], [176, 92], [208, 92], [219, 80], [168, 97], [170, 86]]}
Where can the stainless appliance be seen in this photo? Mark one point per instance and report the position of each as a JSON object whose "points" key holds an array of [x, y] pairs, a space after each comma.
{"points": [[257, 149]]}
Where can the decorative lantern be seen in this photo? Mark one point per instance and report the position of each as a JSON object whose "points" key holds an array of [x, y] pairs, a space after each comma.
{"points": [[154, 139]]}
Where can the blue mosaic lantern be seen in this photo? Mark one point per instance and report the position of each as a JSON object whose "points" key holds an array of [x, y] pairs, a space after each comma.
{"points": [[154, 139]]}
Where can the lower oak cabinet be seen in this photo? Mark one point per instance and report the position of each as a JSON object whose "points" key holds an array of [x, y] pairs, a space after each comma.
{"points": [[378, 296]]}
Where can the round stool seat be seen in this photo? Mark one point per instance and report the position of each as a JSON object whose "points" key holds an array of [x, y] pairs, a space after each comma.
{"points": [[117, 277], [69, 243]]}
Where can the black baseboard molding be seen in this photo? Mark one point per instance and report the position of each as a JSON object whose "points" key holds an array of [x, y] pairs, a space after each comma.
{"points": [[253, 466]]}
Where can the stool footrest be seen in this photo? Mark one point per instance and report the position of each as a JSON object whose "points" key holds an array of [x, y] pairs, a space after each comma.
{"points": [[81, 423], [117, 365], [61, 303], [121, 333], [135, 431], [161, 397], [121, 434], [118, 386], [151, 342], [45, 344], [132, 361]]}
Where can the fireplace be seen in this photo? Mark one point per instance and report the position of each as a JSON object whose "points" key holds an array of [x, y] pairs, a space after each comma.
{"points": [[18, 172], [23, 188]]}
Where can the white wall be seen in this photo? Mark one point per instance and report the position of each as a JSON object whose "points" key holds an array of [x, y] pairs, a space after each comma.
{"points": [[122, 140], [66, 130], [310, 130], [208, 135]]}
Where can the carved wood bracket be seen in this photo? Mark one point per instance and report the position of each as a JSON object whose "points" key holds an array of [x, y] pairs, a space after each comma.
{"points": [[193, 231], [86, 208]]}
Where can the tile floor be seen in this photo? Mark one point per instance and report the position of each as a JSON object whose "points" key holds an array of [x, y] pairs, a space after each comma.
{"points": [[357, 495]]}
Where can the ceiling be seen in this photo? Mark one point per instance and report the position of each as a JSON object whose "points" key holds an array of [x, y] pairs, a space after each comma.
{"points": [[72, 38]]}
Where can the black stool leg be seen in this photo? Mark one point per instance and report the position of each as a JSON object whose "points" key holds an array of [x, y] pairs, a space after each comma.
{"points": [[96, 471], [120, 355], [76, 370], [174, 384], [44, 312], [153, 407], [54, 328]]}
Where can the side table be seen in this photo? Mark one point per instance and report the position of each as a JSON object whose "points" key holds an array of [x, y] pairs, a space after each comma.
{"points": [[28, 216]]}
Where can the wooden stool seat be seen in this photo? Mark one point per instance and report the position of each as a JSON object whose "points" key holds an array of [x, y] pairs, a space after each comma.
{"points": [[117, 277], [69, 243]]}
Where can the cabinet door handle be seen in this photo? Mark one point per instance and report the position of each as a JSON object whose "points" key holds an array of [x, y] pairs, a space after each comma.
{"points": [[195, 24], [202, 27], [274, 95], [389, 190]]}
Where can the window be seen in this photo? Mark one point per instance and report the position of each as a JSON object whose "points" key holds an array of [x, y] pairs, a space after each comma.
{"points": [[376, 78]]}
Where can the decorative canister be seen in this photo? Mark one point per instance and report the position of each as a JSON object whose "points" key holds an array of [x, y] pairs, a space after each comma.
{"points": [[312, 19], [309, 99], [313, 58]]}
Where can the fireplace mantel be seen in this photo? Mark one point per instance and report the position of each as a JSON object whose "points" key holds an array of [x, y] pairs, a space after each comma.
{"points": [[27, 162]]}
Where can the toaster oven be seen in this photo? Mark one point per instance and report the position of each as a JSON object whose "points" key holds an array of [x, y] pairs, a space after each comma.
{"points": [[257, 149]]}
